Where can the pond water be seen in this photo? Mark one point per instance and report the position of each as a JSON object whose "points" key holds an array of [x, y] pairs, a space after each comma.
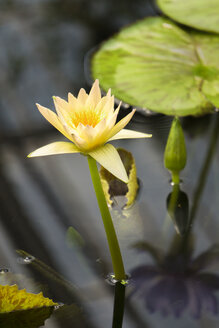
{"points": [[174, 279]]}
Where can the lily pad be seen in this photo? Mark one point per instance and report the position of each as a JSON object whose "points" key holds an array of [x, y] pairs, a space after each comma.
{"points": [[156, 65], [201, 14]]}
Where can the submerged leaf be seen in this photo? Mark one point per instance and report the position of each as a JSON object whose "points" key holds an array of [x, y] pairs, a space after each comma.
{"points": [[114, 187], [73, 238], [12, 299], [156, 65], [201, 14]]}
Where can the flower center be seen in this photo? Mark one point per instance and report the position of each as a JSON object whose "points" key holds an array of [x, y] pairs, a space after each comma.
{"points": [[86, 117]]}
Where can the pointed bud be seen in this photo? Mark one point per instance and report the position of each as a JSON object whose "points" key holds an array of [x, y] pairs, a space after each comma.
{"points": [[175, 151]]}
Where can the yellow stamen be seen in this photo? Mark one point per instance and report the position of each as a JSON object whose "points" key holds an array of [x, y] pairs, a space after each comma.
{"points": [[91, 118]]}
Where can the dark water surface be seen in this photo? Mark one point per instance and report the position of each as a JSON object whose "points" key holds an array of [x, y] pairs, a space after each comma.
{"points": [[174, 279]]}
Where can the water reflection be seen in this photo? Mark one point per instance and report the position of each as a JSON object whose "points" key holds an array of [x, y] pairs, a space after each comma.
{"points": [[177, 281], [178, 209], [119, 304]]}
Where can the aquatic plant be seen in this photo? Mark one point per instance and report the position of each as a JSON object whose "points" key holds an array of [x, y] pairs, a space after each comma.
{"points": [[89, 122], [175, 150]]}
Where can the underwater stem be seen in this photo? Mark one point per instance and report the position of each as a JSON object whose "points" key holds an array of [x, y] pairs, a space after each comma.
{"points": [[117, 262], [119, 304]]}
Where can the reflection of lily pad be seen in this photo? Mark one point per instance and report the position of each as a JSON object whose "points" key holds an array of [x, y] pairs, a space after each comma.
{"points": [[201, 14], [155, 64]]}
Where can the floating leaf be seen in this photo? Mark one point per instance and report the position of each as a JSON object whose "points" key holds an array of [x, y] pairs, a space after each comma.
{"points": [[12, 299], [201, 14], [155, 64], [47, 271], [114, 187]]}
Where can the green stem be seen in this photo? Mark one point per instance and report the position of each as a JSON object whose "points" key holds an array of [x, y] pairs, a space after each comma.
{"points": [[117, 262], [175, 177]]}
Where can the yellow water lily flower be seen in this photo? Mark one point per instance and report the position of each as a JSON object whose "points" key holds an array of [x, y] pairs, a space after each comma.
{"points": [[89, 121]]}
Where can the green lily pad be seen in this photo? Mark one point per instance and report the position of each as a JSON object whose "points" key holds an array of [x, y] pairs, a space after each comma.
{"points": [[156, 65], [201, 14]]}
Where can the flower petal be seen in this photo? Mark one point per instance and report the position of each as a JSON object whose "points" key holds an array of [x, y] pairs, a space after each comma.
{"points": [[53, 119], [121, 124], [108, 108], [86, 132], [54, 148], [101, 104], [63, 110], [62, 104], [72, 100], [130, 134], [95, 94], [109, 158], [111, 119], [82, 96]]}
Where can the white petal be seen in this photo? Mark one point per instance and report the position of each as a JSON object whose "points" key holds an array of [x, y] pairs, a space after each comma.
{"points": [[95, 94], [72, 100], [109, 105], [130, 134], [109, 93], [82, 96], [101, 104], [86, 132], [111, 119], [82, 144], [100, 128], [63, 109], [121, 124], [53, 119], [109, 158], [54, 148]]}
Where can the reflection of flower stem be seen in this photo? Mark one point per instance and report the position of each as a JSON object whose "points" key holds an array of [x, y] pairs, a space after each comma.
{"points": [[119, 302], [205, 168], [48, 271], [175, 177], [117, 262]]}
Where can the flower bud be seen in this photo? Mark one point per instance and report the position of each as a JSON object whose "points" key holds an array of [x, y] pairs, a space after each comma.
{"points": [[175, 151]]}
